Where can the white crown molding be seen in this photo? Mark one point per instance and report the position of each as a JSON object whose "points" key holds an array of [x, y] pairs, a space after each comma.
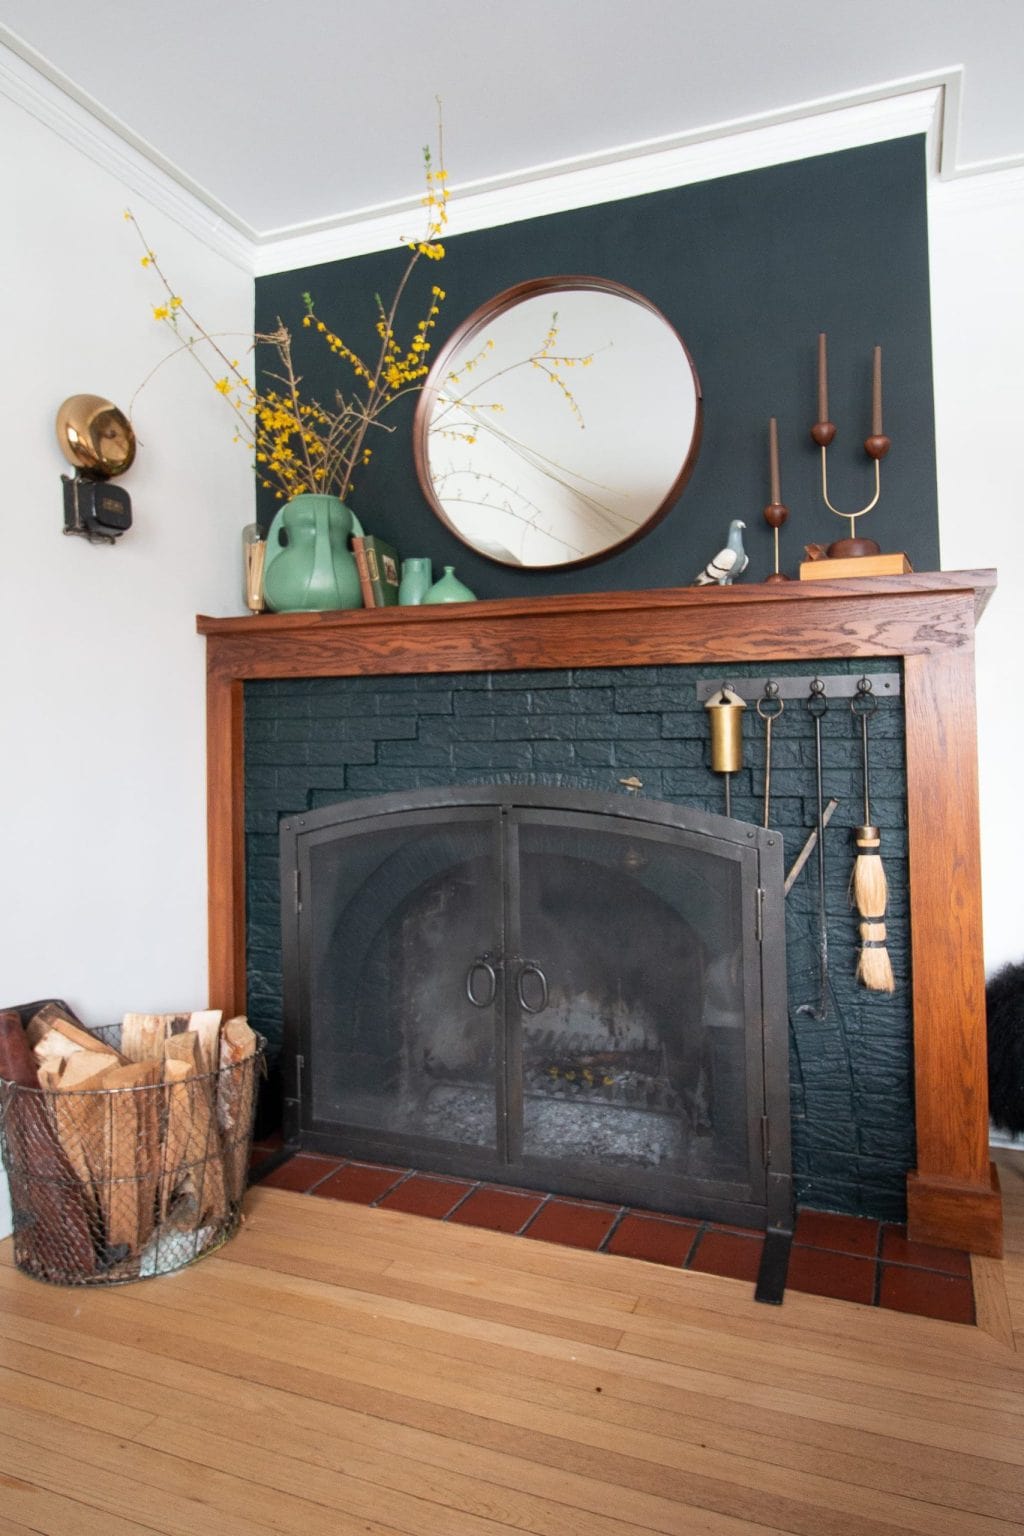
{"points": [[815, 128], [28, 81]]}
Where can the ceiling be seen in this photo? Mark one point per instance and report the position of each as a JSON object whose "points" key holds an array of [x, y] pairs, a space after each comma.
{"points": [[283, 116]]}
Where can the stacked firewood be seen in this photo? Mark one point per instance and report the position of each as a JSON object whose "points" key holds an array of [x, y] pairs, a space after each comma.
{"points": [[128, 1148]]}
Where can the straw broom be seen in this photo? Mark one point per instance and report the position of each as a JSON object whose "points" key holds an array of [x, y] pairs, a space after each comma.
{"points": [[869, 889]]}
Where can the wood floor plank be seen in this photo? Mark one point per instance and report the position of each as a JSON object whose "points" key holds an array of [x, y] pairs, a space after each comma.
{"points": [[182, 1495], [991, 1302], [48, 1513]]}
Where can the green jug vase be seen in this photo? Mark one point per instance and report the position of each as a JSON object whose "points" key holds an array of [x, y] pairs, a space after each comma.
{"points": [[309, 565], [449, 589]]}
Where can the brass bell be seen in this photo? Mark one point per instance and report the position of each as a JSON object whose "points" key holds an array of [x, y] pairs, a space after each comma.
{"points": [[725, 715]]}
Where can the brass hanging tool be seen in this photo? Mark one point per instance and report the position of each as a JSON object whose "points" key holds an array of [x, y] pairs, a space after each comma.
{"points": [[725, 717]]}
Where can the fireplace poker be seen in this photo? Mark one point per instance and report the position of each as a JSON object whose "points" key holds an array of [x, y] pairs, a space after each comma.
{"points": [[868, 886], [817, 704], [769, 716], [808, 847]]}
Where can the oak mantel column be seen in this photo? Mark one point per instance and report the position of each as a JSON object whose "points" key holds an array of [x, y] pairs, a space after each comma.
{"points": [[950, 1196]]}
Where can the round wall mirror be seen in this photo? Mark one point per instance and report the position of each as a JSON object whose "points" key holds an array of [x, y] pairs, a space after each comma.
{"points": [[558, 424]]}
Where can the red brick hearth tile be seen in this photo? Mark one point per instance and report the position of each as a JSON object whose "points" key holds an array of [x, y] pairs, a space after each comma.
{"points": [[897, 1249], [301, 1172], [362, 1183], [929, 1294], [572, 1224], [499, 1210], [423, 1195], [840, 1234], [728, 1254], [655, 1238], [839, 1275]]}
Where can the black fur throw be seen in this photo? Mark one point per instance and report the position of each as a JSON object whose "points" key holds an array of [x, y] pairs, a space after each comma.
{"points": [[1004, 1001]]}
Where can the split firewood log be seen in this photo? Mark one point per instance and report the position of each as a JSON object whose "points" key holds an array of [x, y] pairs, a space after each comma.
{"points": [[192, 1188], [236, 1098], [207, 1026], [53, 1031], [143, 1034], [131, 1155], [177, 1133], [78, 1118], [51, 1205]]}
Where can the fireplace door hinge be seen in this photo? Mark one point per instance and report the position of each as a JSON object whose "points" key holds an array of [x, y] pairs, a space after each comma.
{"points": [[759, 915], [766, 1141]]}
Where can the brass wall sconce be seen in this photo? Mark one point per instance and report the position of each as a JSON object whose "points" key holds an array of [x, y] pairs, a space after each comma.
{"points": [[98, 440]]}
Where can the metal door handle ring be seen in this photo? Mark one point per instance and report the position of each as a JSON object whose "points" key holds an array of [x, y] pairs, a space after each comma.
{"points": [[530, 969], [481, 963]]}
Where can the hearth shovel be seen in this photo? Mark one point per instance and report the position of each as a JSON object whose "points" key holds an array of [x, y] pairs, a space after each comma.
{"points": [[817, 704]]}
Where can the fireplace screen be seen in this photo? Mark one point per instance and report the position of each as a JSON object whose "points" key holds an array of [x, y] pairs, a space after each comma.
{"points": [[577, 993]]}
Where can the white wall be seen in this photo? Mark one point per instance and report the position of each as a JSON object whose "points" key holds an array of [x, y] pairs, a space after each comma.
{"points": [[977, 265], [102, 773]]}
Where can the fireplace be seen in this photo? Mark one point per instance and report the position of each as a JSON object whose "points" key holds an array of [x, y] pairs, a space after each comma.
{"points": [[926, 621], [560, 990]]}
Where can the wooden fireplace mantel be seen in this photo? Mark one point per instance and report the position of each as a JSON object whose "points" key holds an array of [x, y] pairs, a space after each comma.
{"points": [[925, 619]]}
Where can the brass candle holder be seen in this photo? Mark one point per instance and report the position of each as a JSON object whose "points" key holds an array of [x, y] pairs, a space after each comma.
{"points": [[876, 447], [775, 513]]}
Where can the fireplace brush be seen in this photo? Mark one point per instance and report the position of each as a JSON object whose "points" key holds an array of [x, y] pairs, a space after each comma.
{"points": [[868, 886]]}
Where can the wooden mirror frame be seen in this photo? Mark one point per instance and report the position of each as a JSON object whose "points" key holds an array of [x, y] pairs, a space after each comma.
{"points": [[485, 315]]}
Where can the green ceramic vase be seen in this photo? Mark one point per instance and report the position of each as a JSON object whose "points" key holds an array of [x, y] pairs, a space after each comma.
{"points": [[449, 589], [309, 565], [416, 581]]}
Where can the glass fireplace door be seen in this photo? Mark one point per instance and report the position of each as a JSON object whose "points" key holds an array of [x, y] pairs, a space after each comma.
{"points": [[629, 991], [402, 920]]}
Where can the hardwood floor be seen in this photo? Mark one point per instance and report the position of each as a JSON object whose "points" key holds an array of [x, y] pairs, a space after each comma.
{"points": [[336, 1370]]}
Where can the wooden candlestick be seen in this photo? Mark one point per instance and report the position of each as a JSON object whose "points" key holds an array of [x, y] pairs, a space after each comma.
{"points": [[775, 514], [823, 430], [876, 447]]}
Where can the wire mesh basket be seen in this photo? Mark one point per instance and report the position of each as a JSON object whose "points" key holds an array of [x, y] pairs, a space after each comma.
{"points": [[120, 1183]]}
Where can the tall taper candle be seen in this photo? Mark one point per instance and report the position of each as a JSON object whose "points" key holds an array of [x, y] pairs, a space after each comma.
{"points": [[773, 458], [822, 380], [876, 394]]}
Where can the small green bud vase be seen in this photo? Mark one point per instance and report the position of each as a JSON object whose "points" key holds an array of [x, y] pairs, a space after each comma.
{"points": [[449, 589], [416, 579]]}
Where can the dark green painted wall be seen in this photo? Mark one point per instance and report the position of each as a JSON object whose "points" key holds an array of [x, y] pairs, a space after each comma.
{"points": [[749, 268]]}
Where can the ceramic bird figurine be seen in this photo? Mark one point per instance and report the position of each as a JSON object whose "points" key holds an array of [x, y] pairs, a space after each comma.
{"points": [[729, 563]]}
